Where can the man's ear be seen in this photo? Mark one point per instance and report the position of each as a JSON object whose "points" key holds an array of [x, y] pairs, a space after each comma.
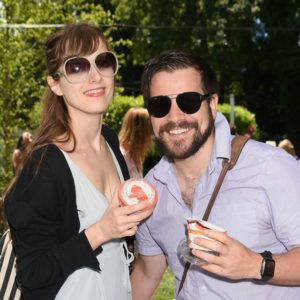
{"points": [[54, 86], [213, 103]]}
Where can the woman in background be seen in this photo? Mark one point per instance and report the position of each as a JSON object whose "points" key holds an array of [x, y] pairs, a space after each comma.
{"points": [[135, 139], [66, 222], [288, 146], [24, 140]]}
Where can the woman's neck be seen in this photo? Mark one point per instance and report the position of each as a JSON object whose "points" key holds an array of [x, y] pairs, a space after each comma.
{"points": [[87, 132]]}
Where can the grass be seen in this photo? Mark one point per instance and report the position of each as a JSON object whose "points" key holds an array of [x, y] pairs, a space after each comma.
{"points": [[165, 290]]}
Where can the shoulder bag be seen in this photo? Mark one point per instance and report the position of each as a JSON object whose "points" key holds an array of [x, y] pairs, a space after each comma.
{"points": [[8, 282]]}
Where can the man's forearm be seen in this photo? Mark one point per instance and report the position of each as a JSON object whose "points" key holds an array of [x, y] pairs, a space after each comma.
{"points": [[143, 287], [287, 268], [146, 276]]}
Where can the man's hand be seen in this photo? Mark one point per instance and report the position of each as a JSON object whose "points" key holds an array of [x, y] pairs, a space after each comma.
{"points": [[235, 261]]}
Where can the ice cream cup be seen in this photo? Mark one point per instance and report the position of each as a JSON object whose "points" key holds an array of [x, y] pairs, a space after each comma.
{"points": [[195, 229]]}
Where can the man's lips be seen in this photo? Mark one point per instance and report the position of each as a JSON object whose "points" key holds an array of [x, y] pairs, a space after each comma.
{"points": [[178, 131]]}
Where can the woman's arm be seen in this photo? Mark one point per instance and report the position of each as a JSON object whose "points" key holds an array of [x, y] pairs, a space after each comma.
{"points": [[41, 211]]}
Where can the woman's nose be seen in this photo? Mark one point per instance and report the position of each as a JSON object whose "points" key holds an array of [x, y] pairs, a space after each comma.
{"points": [[94, 74]]}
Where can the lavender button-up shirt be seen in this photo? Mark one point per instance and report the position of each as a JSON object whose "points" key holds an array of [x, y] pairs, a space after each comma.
{"points": [[259, 205]]}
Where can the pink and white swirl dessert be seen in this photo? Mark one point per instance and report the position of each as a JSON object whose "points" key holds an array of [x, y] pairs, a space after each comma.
{"points": [[132, 191]]}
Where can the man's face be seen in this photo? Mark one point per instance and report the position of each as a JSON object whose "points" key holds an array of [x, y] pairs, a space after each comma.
{"points": [[178, 134]]}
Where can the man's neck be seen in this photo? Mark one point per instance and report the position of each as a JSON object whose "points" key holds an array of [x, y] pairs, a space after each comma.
{"points": [[195, 165], [189, 171]]}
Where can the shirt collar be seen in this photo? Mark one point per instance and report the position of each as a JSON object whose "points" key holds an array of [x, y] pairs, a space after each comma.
{"points": [[222, 144], [221, 148]]}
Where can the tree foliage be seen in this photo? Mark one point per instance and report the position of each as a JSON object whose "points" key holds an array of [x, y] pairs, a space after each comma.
{"points": [[252, 45]]}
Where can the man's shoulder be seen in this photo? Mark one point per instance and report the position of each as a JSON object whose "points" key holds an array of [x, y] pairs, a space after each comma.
{"points": [[263, 150], [267, 159], [158, 170]]}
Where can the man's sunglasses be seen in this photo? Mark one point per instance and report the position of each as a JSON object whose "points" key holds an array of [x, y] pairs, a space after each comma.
{"points": [[189, 103], [76, 69]]}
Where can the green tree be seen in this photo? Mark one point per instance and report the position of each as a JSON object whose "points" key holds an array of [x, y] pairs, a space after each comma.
{"points": [[207, 27], [271, 78], [253, 45]]}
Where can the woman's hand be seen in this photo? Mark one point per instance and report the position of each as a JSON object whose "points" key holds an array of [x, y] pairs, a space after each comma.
{"points": [[117, 222]]}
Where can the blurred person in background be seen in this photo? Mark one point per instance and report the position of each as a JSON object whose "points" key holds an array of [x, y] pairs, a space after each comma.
{"points": [[288, 146], [135, 139], [24, 140]]}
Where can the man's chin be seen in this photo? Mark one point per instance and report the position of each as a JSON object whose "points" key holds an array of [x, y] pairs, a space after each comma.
{"points": [[176, 153]]}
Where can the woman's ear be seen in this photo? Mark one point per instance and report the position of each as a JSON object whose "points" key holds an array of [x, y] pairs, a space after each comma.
{"points": [[54, 86], [213, 103]]}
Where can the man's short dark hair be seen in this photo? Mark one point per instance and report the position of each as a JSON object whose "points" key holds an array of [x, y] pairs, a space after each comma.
{"points": [[176, 59]]}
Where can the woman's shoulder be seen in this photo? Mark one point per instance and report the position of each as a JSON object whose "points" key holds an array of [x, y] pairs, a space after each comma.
{"points": [[113, 141], [16, 151], [46, 164], [48, 158], [48, 152], [110, 135]]}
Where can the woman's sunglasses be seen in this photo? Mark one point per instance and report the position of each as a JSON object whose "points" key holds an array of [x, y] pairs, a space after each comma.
{"points": [[77, 69], [189, 103]]}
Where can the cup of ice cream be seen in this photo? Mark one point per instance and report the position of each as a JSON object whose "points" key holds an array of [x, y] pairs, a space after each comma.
{"points": [[195, 229]]}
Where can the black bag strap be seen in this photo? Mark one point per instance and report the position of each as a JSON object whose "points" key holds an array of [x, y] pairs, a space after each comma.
{"points": [[237, 145]]}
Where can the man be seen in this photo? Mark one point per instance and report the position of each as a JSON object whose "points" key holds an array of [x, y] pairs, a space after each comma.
{"points": [[258, 204]]}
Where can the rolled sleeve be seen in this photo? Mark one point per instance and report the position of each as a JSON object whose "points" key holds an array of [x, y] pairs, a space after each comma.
{"points": [[145, 243]]}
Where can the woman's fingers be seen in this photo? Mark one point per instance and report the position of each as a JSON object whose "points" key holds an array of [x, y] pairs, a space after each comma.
{"points": [[141, 206]]}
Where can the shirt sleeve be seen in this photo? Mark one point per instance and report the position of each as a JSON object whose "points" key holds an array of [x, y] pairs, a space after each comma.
{"points": [[146, 245], [282, 175], [48, 247]]}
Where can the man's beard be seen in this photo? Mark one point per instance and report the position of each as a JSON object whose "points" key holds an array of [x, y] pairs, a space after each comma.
{"points": [[177, 150]]}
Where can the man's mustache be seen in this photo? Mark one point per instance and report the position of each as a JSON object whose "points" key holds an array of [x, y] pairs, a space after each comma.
{"points": [[177, 125]]}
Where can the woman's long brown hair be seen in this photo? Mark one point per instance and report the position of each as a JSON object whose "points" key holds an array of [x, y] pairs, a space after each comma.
{"points": [[73, 40], [136, 135]]}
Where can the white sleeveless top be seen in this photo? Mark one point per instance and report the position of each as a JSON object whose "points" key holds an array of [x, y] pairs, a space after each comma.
{"points": [[112, 283]]}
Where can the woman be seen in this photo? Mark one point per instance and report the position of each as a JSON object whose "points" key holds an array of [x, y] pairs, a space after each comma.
{"points": [[24, 140], [135, 139], [65, 219]]}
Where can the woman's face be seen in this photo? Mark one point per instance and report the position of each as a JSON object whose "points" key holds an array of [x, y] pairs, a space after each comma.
{"points": [[90, 96], [27, 137]]}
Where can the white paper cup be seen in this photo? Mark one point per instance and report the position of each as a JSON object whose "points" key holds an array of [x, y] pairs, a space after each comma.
{"points": [[195, 230]]}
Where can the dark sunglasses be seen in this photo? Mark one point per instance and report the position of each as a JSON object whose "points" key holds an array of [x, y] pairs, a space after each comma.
{"points": [[77, 69], [188, 102]]}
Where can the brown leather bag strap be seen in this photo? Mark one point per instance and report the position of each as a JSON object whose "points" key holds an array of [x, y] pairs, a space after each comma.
{"points": [[237, 145]]}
